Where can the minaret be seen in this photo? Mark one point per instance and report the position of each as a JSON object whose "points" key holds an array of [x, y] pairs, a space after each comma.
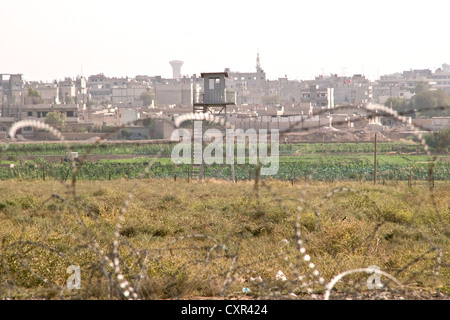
{"points": [[258, 64]]}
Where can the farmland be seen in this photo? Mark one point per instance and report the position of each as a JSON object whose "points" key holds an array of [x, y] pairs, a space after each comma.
{"points": [[126, 212], [321, 161]]}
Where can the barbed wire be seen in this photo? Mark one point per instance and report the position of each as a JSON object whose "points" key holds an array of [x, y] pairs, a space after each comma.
{"points": [[128, 276]]}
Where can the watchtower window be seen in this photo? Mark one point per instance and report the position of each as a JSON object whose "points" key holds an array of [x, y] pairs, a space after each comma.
{"points": [[213, 82]]}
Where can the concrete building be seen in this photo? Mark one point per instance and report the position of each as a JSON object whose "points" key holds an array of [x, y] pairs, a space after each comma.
{"points": [[39, 112], [67, 91], [249, 86], [81, 92], [432, 124], [175, 94], [441, 79], [97, 88], [11, 95], [128, 117], [127, 95], [382, 93], [319, 97], [49, 92], [353, 94]]}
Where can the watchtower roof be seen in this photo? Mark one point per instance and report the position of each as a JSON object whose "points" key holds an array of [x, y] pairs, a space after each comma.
{"points": [[214, 74]]}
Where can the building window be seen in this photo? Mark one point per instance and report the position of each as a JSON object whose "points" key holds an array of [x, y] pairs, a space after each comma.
{"points": [[28, 129], [30, 113], [69, 114]]}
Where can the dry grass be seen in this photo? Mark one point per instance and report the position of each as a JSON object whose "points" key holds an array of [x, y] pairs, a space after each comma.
{"points": [[210, 239]]}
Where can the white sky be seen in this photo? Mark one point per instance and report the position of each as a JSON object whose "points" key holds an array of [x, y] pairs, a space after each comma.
{"points": [[51, 39]]}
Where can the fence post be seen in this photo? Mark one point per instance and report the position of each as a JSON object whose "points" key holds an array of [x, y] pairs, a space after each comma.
{"points": [[233, 173], [257, 174], [292, 176], [431, 174], [375, 162]]}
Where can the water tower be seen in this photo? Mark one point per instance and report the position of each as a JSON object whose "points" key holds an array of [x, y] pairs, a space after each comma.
{"points": [[176, 68]]}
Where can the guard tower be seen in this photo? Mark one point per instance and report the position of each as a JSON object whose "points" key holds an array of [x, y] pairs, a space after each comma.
{"points": [[214, 99]]}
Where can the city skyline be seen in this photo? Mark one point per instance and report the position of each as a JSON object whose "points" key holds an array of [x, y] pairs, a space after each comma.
{"points": [[49, 40]]}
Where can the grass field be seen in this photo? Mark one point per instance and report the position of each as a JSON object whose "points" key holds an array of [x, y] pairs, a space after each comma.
{"points": [[209, 239]]}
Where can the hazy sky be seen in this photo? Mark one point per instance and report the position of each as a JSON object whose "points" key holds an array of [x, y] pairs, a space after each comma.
{"points": [[51, 39]]}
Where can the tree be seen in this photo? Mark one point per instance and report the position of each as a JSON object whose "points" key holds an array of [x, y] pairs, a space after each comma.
{"points": [[147, 97], [70, 100], [55, 119], [398, 104], [125, 133], [428, 101], [149, 123], [420, 87], [439, 141], [34, 95]]}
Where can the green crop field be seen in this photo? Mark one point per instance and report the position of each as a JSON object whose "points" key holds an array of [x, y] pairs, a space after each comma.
{"points": [[41, 149], [321, 161]]}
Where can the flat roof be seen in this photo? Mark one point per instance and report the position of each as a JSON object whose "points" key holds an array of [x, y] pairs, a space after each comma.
{"points": [[203, 74]]}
